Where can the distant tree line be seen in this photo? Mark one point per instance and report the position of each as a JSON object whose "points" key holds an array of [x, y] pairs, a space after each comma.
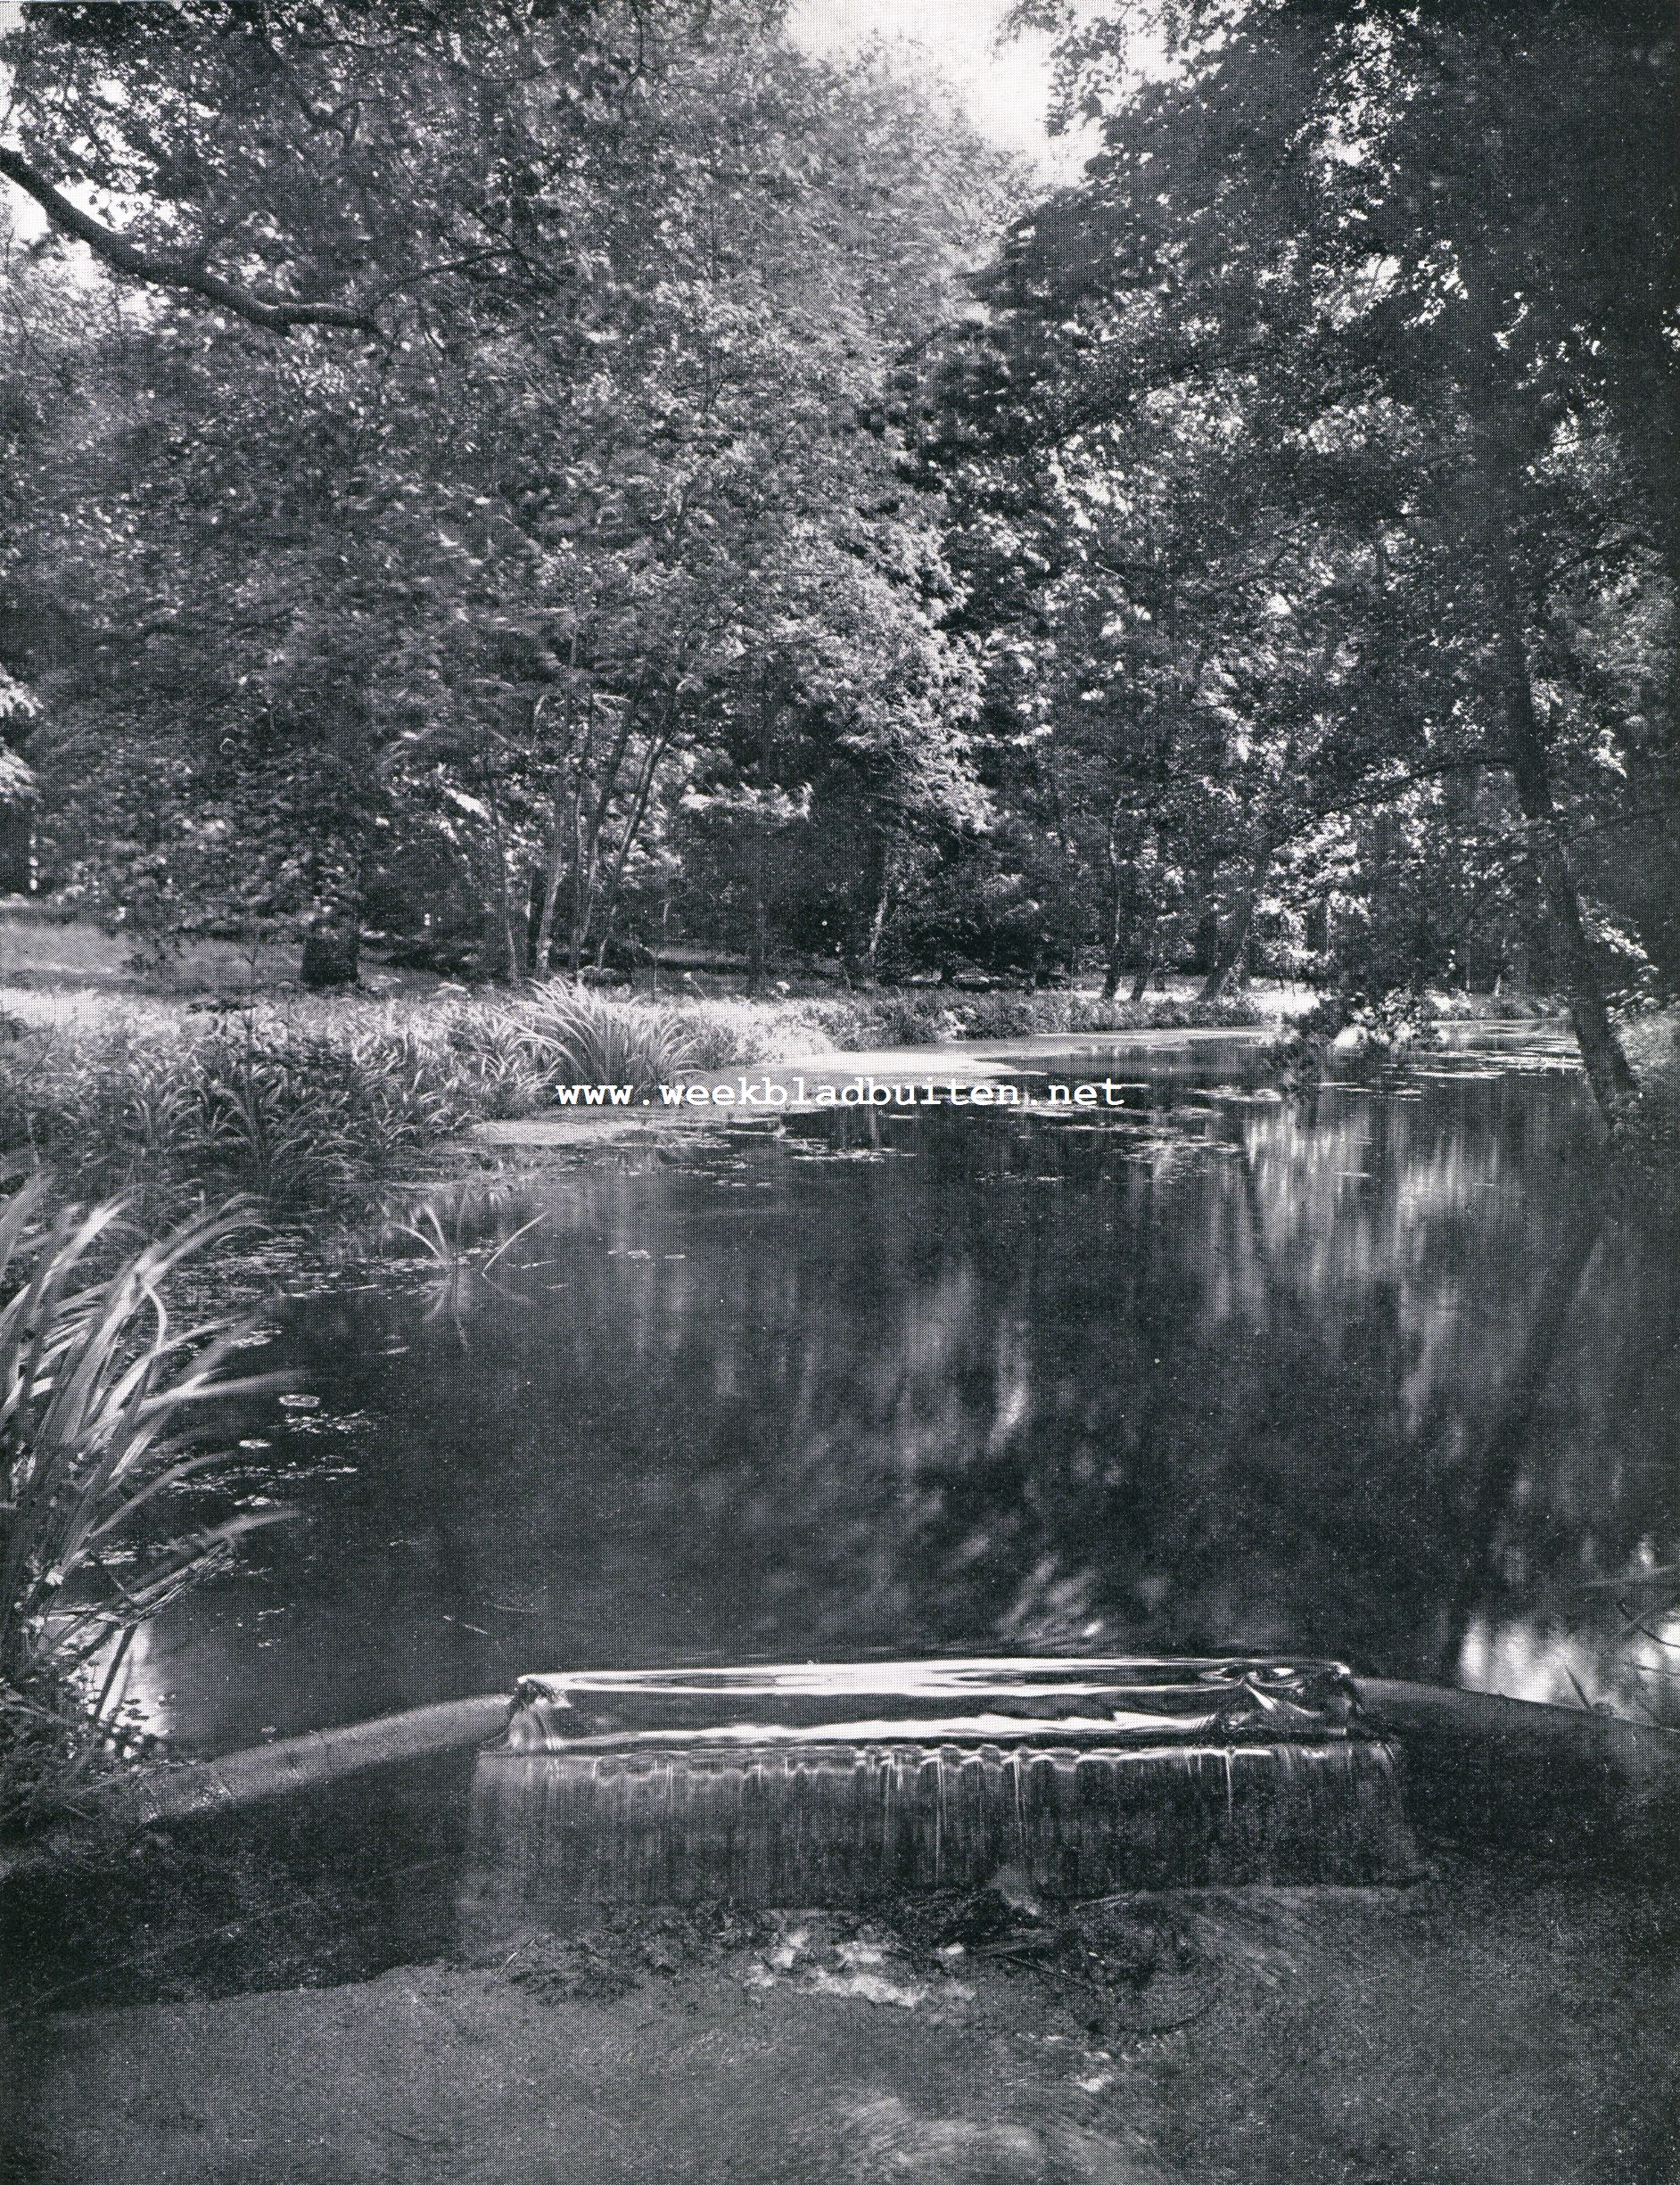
{"points": [[535, 477]]}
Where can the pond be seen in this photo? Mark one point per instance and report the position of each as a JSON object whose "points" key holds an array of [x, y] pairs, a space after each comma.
{"points": [[1377, 1371]]}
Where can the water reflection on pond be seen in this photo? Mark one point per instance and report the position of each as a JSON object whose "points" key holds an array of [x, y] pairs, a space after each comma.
{"points": [[1371, 1373]]}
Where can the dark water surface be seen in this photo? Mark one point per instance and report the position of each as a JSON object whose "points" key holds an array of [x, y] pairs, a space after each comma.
{"points": [[1373, 1373]]}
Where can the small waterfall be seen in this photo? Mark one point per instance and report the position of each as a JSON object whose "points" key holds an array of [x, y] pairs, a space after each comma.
{"points": [[559, 1835]]}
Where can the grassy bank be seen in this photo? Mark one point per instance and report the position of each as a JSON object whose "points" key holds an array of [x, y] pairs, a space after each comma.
{"points": [[307, 1103], [311, 1105]]}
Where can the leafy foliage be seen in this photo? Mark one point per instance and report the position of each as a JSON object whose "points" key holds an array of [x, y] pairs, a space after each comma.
{"points": [[605, 530], [295, 1115], [1309, 495], [99, 1391], [577, 1037], [642, 531]]}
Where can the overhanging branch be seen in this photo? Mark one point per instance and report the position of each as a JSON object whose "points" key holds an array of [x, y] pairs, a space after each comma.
{"points": [[273, 313]]}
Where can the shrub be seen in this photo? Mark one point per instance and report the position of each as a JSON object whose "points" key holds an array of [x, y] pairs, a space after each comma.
{"points": [[1018, 1016], [1648, 1124], [1359, 1038]]}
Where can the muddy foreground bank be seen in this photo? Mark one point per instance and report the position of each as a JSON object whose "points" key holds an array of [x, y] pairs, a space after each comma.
{"points": [[1517, 2030]]}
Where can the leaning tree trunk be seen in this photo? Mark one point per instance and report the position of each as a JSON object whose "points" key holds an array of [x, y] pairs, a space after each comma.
{"points": [[877, 922], [1607, 1067]]}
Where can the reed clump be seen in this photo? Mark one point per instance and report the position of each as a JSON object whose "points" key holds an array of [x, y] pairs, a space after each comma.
{"points": [[567, 1034], [106, 1402], [174, 1109], [726, 1031]]}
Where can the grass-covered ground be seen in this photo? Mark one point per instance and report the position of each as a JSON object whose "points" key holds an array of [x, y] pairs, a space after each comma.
{"points": [[41, 948]]}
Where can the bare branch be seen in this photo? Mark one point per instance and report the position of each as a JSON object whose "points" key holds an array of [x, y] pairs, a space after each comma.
{"points": [[273, 313]]}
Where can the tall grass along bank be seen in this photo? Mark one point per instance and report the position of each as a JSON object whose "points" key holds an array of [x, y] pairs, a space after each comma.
{"points": [[310, 1104]]}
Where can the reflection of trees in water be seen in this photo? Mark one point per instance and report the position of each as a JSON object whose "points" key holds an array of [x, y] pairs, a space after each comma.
{"points": [[1341, 1379], [1503, 1465], [1254, 1394]]}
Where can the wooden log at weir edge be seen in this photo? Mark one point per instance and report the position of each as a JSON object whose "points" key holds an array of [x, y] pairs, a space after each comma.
{"points": [[155, 1796], [1524, 1751], [1638, 1767]]}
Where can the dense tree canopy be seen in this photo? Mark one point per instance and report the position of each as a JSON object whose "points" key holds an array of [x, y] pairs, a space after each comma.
{"points": [[534, 468], [1326, 431], [567, 468]]}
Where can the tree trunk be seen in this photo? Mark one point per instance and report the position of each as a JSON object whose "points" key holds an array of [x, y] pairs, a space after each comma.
{"points": [[1117, 892], [564, 814], [877, 923], [331, 957], [1113, 968], [512, 955], [575, 925], [1233, 945], [552, 870], [507, 911], [758, 827], [610, 894], [755, 878], [582, 906], [1608, 1069], [332, 945], [1141, 983], [532, 921], [590, 833]]}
